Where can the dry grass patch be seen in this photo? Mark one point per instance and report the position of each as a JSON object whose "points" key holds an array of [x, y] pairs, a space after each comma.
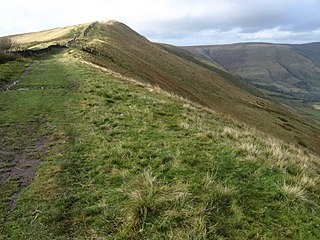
{"points": [[222, 190], [237, 133], [309, 182], [251, 149], [146, 196], [294, 192], [185, 125], [287, 156]]}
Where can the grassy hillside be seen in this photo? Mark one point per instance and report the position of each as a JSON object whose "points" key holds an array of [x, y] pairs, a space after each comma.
{"points": [[214, 67], [114, 46], [125, 160], [288, 73]]}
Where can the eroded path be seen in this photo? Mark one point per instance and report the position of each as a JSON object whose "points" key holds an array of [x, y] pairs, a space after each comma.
{"points": [[19, 158], [10, 85], [26, 127], [21, 147]]}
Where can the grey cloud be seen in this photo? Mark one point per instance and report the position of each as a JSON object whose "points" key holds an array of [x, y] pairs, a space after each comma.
{"points": [[278, 21], [250, 16], [179, 22]]}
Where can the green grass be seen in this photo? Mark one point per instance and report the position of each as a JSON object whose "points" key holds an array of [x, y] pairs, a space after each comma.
{"points": [[24, 119], [129, 161], [4, 57], [11, 71]]}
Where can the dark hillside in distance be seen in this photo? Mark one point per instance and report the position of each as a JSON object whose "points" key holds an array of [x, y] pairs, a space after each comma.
{"points": [[287, 72]]}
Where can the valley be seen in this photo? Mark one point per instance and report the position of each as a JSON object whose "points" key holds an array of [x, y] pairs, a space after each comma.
{"points": [[287, 73]]}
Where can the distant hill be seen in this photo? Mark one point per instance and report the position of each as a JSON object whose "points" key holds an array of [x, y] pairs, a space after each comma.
{"points": [[287, 72]]}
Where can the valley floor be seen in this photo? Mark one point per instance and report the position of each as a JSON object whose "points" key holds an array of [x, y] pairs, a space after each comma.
{"points": [[122, 160]]}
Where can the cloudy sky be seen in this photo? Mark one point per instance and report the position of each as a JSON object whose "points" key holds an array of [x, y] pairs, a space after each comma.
{"points": [[179, 22]]}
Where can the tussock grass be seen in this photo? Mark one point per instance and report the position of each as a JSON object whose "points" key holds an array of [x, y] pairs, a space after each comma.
{"points": [[281, 154], [288, 157], [146, 196], [235, 133], [294, 192], [309, 182], [251, 149]]}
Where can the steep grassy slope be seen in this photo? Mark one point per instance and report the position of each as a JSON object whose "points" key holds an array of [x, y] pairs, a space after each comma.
{"points": [[289, 73], [214, 67], [129, 161], [115, 46], [118, 48]]}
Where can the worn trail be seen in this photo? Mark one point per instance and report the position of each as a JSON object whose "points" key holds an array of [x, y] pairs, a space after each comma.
{"points": [[25, 127], [21, 149], [24, 74]]}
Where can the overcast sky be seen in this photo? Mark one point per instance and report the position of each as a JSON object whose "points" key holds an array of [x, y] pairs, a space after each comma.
{"points": [[179, 22]]}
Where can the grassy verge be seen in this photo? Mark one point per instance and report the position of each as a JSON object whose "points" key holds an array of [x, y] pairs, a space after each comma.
{"points": [[129, 161], [12, 70]]}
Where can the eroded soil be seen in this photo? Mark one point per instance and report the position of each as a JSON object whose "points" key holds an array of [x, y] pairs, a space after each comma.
{"points": [[22, 146], [20, 156]]}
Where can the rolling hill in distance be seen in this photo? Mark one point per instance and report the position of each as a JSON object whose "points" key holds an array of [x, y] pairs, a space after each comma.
{"points": [[122, 138], [289, 73]]}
